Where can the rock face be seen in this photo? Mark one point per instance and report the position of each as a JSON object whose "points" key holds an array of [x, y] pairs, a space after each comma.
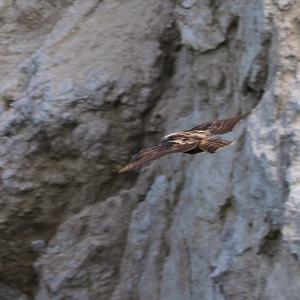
{"points": [[86, 84]]}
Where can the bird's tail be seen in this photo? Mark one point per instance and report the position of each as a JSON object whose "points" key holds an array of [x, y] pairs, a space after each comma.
{"points": [[213, 144]]}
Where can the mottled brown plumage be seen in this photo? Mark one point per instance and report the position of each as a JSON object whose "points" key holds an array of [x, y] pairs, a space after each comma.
{"points": [[197, 139]]}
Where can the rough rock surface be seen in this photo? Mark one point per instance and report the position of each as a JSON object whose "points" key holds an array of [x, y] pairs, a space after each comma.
{"points": [[84, 85]]}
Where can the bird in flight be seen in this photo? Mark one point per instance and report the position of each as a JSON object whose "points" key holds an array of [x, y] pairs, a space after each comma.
{"points": [[201, 138]]}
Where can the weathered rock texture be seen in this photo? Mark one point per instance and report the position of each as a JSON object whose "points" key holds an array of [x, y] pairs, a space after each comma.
{"points": [[86, 84]]}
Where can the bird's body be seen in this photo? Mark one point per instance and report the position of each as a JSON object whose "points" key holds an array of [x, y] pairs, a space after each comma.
{"points": [[202, 138]]}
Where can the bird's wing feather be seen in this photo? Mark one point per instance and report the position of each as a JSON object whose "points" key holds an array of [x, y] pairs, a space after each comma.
{"points": [[147, 155], [213, 144], [219, 126]]}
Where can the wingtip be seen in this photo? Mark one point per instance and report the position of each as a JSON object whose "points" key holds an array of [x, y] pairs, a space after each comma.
{"points": [[125, 169], [121, 171]]}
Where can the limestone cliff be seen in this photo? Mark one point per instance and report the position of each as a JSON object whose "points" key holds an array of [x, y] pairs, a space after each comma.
{"points": [[86, 84]]}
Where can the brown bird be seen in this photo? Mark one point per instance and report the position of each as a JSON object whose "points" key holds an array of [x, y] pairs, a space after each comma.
{"points": [[201, 138]]}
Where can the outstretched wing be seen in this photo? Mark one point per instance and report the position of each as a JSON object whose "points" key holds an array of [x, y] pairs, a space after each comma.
{"points": [[147, 155], [219, 126]]}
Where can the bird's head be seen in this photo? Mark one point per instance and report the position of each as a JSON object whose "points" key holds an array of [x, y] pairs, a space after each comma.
{"points": [[169, 137], [175, 138]]}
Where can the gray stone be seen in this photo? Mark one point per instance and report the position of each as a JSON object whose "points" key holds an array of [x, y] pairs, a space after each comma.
{"points": [[84, 86]]}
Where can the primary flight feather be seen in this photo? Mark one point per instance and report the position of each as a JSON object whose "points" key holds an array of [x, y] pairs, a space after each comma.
{"points": [[197, 139]]}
